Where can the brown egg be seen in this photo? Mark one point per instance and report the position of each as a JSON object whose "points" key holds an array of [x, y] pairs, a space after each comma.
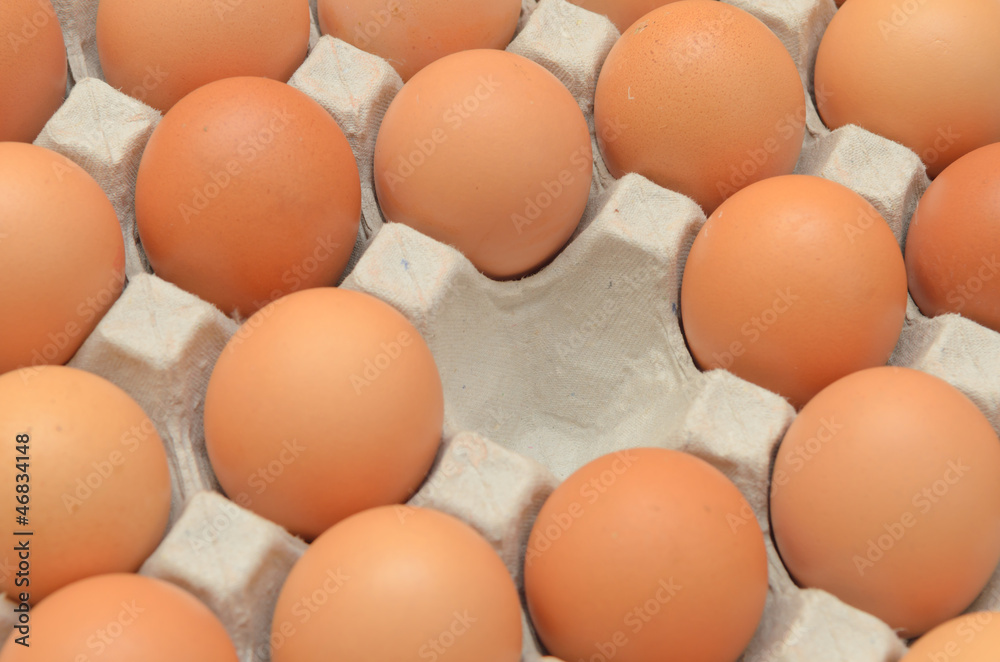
{"points": [[700, 97], [886, 493], [98, 493], [785, 267], [634, 555], [159, 52], [348, 417], [396, 584], [247, 191], [920, 73], [411, 34], [451, 160], [32, 68], [623, 13], [970, 638], [953, 245], [62, 256], [122, 618]]}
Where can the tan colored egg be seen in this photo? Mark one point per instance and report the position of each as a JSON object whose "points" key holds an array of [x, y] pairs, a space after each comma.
{"points": [[158, 52], [622, 13], [325, 403], [98, 491], [886, 493], [62, 256], [633, 556], [701, 98], [122, 618], [973, 637], [32, 68], [793, 283], [953, 245], [486, 151], [411, 34], [396, 584], [247, 191], [920, 73]]}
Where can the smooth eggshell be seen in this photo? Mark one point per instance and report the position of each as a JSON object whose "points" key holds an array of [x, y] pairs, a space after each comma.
{"points": [[411, 34], [973, 637], [396, 584], [701, 98], [488, 152], [99, 481], [247, 191], [122, 618], [622, 13], [640, 553], [62, 256], [793, 283], [886, 493], [32, 68], [921, 73], [953, 245], [158, 52], [323, 404]]}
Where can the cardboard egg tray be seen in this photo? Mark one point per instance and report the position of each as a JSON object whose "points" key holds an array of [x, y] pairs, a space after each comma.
{"points": [[541, 375]]}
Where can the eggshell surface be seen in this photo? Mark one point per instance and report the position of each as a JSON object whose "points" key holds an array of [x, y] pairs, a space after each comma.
{"points": [[159, 52], [396, 584], [637, 552], [886, 493], [122, 618], [62, 256], [793, 283], [972, 637], [622, 13], [953, 244], [99, 485], [701, 98], [411, 34], [32, 68], [921, 73], [324, 404], [488, 152], [247, 191]]}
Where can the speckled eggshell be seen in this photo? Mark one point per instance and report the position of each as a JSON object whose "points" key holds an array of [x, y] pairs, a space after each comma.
{"points": [[886, 493], [99, 487], [793, 283], [62, 256], [953, 244], [411, 34], [32, 68], [247, 191], [701, 98], [921, 73], [158, 52]]}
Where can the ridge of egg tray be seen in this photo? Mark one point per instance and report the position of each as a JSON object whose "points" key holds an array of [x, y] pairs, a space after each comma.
{"points": [[597, 325]]}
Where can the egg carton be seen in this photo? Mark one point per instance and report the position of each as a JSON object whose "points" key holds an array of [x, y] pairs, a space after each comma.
{"points": [[599, 359]]}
